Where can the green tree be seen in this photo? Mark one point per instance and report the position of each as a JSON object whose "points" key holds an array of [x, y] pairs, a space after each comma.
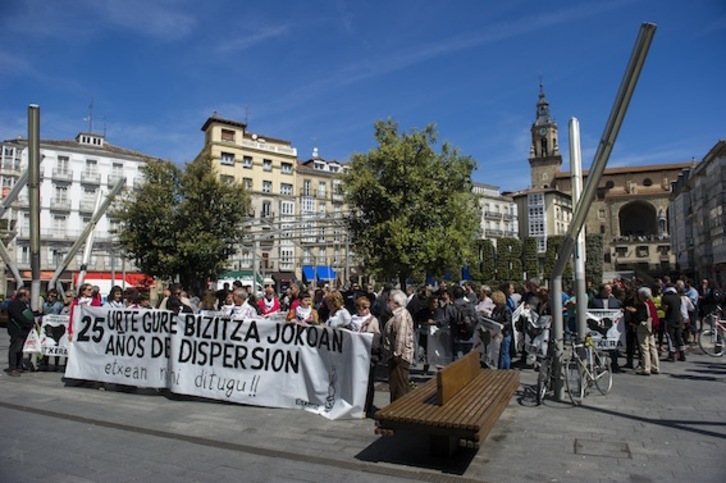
{"points": [[529, 257], [553, 245], [412, 211], [509, 259], [488, 271], [594, 259], [183, 224]]}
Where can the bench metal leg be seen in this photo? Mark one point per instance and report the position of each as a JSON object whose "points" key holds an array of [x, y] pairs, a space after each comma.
{"points": [[443, 445]]}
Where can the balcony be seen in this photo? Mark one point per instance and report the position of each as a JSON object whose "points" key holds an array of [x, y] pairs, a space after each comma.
{"points": [[60, 204], [87, 206], [493, 215], [640, 239], [113, 178], [11, 168], [91, 177], [272, 148], [62, 175]]}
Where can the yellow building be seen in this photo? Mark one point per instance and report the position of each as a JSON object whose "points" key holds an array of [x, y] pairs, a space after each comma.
{"points": [[295, 226]]}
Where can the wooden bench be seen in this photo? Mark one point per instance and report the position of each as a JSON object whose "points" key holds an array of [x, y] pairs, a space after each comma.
{"points": [[458, 408]]}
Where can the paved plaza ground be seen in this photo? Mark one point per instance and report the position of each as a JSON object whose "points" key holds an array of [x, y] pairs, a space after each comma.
{"points": [[667, 427]]}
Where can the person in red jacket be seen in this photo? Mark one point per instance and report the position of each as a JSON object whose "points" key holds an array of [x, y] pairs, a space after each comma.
{"points": [[85, 297], [269, 304]]}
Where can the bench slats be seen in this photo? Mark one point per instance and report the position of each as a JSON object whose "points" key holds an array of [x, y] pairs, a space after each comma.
{"points": [[469, 415]]}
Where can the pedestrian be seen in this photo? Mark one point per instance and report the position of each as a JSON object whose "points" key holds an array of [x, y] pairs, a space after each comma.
{"points": [[398, 345], [646, 321], [671, 303], [368, 324], [503, 314], [20, 323]]}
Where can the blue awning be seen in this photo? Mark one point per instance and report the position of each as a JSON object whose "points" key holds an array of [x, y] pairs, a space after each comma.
{"points": [[325, 273], [308, 272]]}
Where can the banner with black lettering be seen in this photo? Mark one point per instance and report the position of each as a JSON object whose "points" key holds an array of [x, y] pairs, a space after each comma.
{"points": [[610, 327], [252, 361]]}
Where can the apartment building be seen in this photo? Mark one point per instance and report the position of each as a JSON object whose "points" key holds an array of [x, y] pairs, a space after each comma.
{"points": [[295, 225], [499, 217], [73, 173], [697, 218]]}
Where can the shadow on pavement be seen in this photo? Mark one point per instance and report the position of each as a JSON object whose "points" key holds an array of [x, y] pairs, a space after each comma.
{"points": [[412, 449], [678, 424]]}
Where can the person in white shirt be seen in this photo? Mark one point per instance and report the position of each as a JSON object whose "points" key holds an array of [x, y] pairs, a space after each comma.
{"points": [[339, 318], [242, 308]]}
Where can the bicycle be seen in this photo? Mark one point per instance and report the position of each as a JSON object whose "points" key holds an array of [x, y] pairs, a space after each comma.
{"points": [[582, 371], [544, 378], [713, 340]]}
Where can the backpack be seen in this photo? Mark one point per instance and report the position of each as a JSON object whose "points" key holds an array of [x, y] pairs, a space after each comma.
{"points": [[466, 322]]}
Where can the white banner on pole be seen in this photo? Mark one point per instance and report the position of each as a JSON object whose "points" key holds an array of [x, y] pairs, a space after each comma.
{"points": [[250, 361], [610, 327], [51, 339]]}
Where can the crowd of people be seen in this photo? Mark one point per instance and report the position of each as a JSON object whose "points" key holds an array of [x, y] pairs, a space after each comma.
{"points": [[660, 319]]}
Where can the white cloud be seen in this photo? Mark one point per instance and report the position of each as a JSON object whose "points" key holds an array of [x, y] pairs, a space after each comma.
{"points": [[163, 19]]}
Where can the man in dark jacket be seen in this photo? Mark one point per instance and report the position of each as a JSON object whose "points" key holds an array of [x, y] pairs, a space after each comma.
{"points": [[20, 323], [671, 304]]}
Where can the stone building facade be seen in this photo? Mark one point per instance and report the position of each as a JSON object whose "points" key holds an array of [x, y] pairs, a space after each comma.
{"points": [[630, 210], [698, 219]]}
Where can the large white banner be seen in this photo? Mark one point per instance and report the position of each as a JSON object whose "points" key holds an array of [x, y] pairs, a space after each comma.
{"points": [[250, 361], [610, 327]]}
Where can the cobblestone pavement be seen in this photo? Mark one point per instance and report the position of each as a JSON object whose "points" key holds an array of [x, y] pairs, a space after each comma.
{"points": [[667, 427]]}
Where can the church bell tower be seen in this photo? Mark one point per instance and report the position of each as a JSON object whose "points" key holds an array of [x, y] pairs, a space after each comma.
{"points": [[544, 151]]}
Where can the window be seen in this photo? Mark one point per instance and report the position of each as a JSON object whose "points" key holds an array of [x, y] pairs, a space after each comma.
{"points": [[247, 161], [227, 135], [266, 209], [267, 164], [286, 168], [59, 225], [285, 189], [91, 166], [228, 159], [334, 169], [322, 189], [61, 193], [286, 258], [601, 214], [306, 188], [287, 208], [609, 184], [267, 186], [63, 163], [647, 182], [226, 179], [319, 166], [247, 183]]}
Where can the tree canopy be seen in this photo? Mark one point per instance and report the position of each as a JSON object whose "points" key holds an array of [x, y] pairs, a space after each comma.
{"points": [[182, 223], [412, 210]]}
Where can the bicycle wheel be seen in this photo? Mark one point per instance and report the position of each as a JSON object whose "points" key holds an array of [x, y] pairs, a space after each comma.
{"points": [[543, 379], [573, 380], [712, 341], [602, 373]]}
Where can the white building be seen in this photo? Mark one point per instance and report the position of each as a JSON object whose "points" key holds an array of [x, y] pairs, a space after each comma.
{"points": [[498, 213], [72, 174]]}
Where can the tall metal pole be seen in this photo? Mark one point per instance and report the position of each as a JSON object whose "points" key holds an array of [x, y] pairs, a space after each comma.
{"points": [[610, 134], [88, 249], [576, 172], [34, 198]]}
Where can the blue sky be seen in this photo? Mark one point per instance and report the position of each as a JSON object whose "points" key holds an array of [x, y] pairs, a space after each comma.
{"points": [[321, 72]]}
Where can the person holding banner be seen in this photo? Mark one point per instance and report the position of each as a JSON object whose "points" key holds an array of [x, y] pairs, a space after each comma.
{"points": [[398, 345], [20, 323], [269, 303], [85, 297], [606, 300], [340, 317], [52, 305], [304, 314], [368, 324], [115, 299]]}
